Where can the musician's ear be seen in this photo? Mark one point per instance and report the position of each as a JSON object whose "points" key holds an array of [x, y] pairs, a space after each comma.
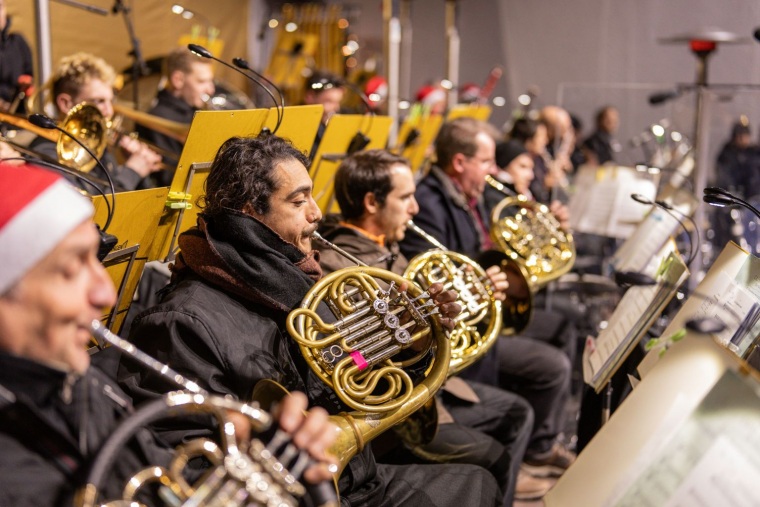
{"points": [[371, 206]]}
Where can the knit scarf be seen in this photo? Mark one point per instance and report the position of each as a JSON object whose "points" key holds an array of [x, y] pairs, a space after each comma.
{"points": [[238, 253]]}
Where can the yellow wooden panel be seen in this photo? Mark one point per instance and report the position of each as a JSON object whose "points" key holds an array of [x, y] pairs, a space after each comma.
{"points": [[332, 149], [208, 131], [299, 125], [477, 111]]}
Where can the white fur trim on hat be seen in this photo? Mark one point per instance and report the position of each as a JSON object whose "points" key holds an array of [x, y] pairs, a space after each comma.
{"points": [[38, 226]]}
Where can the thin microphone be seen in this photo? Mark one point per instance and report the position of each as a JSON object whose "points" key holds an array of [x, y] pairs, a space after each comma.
{"points": [[243, 64], [669, 209], [661, 97], [205, 53], [42, 121], [716, 196]]}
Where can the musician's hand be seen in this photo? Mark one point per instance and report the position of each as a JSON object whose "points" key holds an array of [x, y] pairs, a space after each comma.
{"points": [[445, 301], [141, 159], [561, 213], [312, 431], [499, 282], [7, 151]]}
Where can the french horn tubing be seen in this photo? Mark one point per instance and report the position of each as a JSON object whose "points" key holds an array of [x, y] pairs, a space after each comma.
{"points": [[474, 293], [249, 474], [385, 330], [529, 234]]}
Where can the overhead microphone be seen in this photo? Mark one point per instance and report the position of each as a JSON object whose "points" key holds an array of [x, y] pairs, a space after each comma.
{"points": [[716, 196], [669, 209], [205, 53], [107, 241], [243, 64]]}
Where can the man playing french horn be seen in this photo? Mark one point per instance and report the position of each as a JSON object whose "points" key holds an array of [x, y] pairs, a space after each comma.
{"points": [[56, 410], [85, 78], [478, 423], [242, 271]]}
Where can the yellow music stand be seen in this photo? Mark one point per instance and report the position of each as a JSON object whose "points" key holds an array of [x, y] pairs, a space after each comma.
{"points": [[418, 149], [334, 146], [134, 224], [478, 111], [208, 131], [299, 125]]}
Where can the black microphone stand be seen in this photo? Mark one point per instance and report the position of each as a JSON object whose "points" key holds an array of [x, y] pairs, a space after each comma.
{"points": [[139, 68]]}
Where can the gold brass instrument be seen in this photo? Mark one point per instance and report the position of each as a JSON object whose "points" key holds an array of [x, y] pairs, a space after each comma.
{"points": [[239, 475], [86, 123], [529, 234], [173, 129], [380, 333], [474, 293]]}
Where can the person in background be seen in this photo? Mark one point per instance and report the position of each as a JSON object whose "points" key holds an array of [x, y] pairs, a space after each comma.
{"points": [[601, 146], [83, 77], [16, 67], [189, 84], [452, 211], [328, 90]]}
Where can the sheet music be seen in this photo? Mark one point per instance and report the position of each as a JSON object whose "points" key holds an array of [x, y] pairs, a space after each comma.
{"points": [[602, 204], [710, 458], [646, 241], [637, 309]]}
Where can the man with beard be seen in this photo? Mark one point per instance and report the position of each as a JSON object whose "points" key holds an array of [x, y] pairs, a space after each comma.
{"points": [[242, 270]]}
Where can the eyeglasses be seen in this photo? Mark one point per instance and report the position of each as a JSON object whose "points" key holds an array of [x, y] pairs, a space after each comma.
{"points": [[483, 161]]}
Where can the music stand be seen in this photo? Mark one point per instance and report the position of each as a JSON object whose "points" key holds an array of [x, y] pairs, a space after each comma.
{"points": [[208, 131], [416, 136], [480, 112], [334, 147], [299, 125], [134, 224]]}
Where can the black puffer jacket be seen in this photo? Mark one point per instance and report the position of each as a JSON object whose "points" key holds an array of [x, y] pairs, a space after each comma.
{"points": [[52, 426], [229, 342]]}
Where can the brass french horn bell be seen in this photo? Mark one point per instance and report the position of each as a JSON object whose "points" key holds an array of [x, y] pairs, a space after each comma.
{"points": [[481, 317], [530, 235], [380, 334]]}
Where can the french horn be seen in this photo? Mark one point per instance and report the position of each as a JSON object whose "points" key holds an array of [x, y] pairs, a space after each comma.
{"points": [[249, 474], [530, 235], [474, 293], [385, 354]]}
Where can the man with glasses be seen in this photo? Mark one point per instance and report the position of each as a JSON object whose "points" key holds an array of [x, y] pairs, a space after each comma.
{"points": [[451, 209]]}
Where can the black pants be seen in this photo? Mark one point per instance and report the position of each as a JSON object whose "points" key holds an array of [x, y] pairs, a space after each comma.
{"points": [[438, 486], [540, 373], [492, 433]]}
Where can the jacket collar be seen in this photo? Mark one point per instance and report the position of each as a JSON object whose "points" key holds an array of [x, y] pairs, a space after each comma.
{"points": [[34, 381]]}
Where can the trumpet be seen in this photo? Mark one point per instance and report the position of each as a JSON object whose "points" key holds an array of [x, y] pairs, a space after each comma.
{"points": [[368, 355], [474, 293], [531, 236], [238, 476]]}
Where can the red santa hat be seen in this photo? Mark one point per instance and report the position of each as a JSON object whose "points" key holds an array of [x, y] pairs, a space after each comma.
{"points": [[38, 209], [430, 95]]}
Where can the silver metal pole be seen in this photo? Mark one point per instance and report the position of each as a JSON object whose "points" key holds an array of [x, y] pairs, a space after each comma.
{"points": [[44, 51]]}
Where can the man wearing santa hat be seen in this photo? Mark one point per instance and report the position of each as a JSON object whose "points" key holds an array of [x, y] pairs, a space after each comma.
{"points": [[56, 410]]}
